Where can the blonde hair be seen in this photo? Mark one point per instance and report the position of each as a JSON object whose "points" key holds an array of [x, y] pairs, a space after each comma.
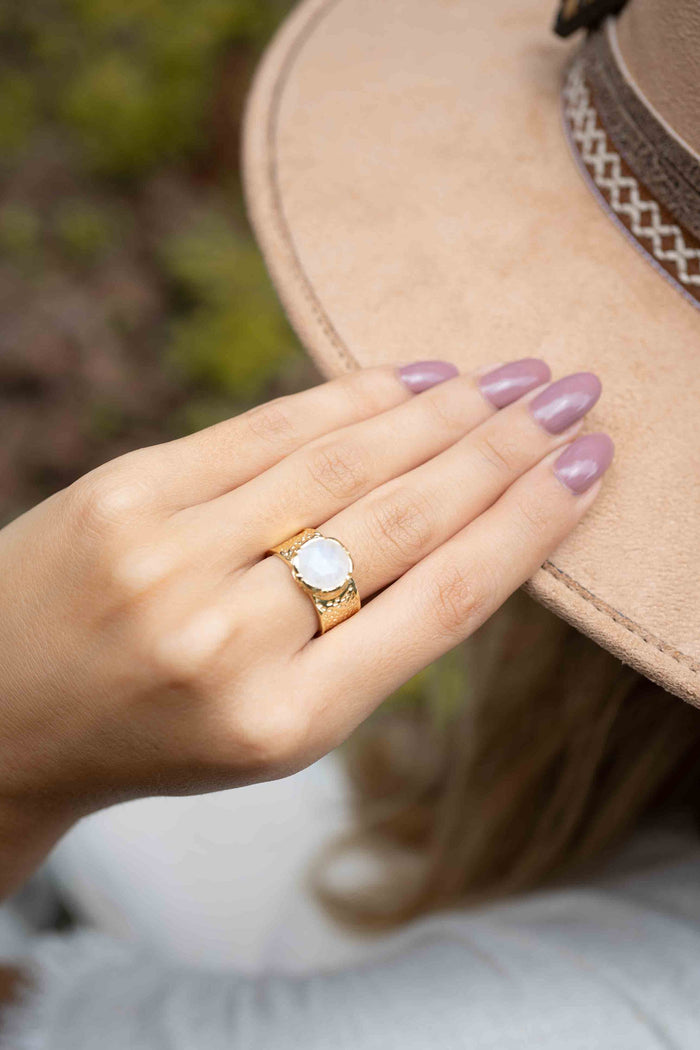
{"points": [[554, 753]]}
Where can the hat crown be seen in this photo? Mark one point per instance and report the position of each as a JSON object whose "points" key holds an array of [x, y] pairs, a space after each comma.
{"points": [[660, 45]]}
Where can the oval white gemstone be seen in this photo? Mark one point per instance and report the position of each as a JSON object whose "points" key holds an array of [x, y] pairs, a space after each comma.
{"points": [[323, 564]]}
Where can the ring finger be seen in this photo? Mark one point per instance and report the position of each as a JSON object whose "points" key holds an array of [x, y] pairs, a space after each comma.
{"points": [[445, 598]]}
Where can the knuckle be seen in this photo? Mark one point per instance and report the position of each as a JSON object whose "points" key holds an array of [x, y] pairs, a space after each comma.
{"points": [[459, 602], [272, 734], [403, 523], [173, 662], [182, 655], [500, 454], [132, 570], [338, 469], [272, 423], [106, 498]]}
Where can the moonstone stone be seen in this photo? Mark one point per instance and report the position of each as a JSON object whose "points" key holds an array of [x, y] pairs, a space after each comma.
{"points": [[323, 563]]}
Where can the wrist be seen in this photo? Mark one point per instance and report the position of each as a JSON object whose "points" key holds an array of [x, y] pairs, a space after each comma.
{"points": [[28, 831]]}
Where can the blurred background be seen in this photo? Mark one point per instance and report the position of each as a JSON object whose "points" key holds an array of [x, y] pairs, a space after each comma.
{"points": [[134, 306]]}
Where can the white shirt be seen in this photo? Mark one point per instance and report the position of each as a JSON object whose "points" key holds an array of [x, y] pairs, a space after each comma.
{"points": [[220, 946]]}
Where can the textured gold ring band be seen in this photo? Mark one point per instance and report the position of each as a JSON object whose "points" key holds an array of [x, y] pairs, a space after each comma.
{"points": [[322, 568]]}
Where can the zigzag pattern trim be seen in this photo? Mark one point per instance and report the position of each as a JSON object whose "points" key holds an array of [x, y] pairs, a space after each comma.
{"points": [[667, 242]]}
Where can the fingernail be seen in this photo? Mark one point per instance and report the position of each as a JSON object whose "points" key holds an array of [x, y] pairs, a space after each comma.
{"points": [[509, 382], [565, 401], [584, 461], [421, 375]]}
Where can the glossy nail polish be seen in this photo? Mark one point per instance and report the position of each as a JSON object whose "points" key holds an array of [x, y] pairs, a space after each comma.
{"points": [[566, 401], [421, 375], [506, 384], [584, 461]]}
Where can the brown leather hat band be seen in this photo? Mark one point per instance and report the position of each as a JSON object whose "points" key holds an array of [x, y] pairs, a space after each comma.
{"points": [[659, 159], [643, 173]]}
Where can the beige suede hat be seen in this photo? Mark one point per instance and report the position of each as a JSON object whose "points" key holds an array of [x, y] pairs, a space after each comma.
{"points": [[448, 179]]}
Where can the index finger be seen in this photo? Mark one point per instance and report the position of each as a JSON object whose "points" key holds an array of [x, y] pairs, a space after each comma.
{"points": [[205, 465]]}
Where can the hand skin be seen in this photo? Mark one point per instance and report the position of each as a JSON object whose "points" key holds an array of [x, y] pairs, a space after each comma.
{"points": [[149, 647]]}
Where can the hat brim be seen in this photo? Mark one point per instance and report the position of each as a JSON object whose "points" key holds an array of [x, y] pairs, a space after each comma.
{"points": [[414, 196]]}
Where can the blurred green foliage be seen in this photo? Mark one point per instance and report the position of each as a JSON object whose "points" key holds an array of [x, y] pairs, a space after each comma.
{"points": [[146, 70], [235, 336], [18, 111], [20, 231], [441, 686], [120, 92], [84, 230], [131, 80]]}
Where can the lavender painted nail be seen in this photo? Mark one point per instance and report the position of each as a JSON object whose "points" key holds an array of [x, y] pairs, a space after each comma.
{"points": [[584, 461], [565, 401], [509, 382], [421, 375]]}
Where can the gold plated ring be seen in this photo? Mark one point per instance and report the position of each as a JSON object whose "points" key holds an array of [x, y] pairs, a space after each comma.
{"points": [[322, 568]]}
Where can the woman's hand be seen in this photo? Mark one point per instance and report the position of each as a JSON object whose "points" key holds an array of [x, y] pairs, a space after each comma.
{"points": [[148, 646]]}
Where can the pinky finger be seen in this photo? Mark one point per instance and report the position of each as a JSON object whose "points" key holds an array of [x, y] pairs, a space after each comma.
{"points": [[447, 596]]}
